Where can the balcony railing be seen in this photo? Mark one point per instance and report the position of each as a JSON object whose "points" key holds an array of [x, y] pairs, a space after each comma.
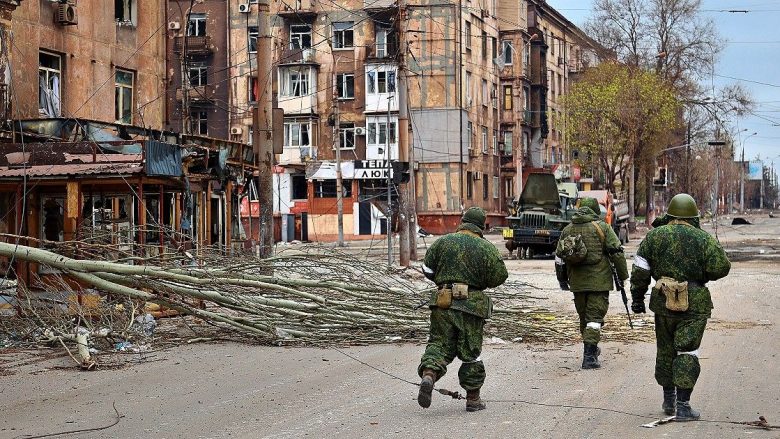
{"points": [[201, 93], [299, 56], [200, 45]]}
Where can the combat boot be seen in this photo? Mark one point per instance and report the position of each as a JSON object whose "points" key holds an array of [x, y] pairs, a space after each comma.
{"points": [[684, 410], [590, 356], [473, 402], [426, 388], [670, 401]]}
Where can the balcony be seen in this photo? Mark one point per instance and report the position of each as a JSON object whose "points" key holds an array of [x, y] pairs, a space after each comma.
{"points": [[378, 53], [298, 10], [298, 56], [202, 93], [297, 155], [200, 45], [528, 117]]}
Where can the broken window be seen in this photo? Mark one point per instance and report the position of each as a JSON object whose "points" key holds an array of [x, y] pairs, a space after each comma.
{"points": [[506, 50], [295, 81], [300, 36], [123, 104], [377, 132], [300, 187], [49, 80], [296, 134], [343, 35], [347, 133], [327, 188], [252, 37], [381, 80], [345, 85], [252, 90], [52, 218], [386, 44], [196, 25], [198, 75], [124, 12], [199, 122]]}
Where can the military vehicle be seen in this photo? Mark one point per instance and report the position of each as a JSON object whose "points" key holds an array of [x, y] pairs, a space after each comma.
{"points": [[538, 216]]}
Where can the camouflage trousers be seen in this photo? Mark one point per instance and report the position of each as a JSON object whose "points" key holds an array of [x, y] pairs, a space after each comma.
{"points": [[591, 307], [455, 334], [677, 356]]}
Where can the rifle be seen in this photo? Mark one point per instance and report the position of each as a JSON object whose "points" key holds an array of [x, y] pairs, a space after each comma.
{"points": [[619, 286]]}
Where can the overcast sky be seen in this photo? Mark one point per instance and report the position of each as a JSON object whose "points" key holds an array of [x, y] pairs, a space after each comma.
{"points": [[752, 55]]}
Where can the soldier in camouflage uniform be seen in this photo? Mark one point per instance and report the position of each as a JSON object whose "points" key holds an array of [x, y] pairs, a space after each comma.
{"points": [[589, 276], [459, 262], [682, 258]]}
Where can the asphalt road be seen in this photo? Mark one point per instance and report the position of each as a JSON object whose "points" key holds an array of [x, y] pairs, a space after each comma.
{"points": [[233, 390]]}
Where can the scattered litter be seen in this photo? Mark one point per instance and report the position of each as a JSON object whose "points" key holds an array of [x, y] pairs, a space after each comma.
{"points": [[147, 324], [517, 339], [123, 346], [394, 338], [495, 340], [764, 323], [739, 221]]}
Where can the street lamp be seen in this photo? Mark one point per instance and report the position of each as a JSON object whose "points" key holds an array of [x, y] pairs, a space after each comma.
{"points": [[742, 174]]}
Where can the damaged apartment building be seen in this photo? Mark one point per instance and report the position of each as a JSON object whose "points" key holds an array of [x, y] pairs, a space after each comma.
{"points": [[483, 97], [85, 149]]}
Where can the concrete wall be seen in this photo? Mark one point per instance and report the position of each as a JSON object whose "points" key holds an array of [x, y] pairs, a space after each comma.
{"points": [[90, 51]]}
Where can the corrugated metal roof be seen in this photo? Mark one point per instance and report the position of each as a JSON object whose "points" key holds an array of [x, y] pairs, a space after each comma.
{"points": [[72, 170]]}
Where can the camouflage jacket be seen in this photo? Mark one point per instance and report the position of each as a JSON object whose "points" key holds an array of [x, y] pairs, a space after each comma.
{"points": [[682, 251], [595, 272], [466, 257]]}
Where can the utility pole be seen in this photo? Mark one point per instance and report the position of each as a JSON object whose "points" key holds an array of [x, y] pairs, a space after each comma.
{"points": [[406, 232], [337, 147], [742, 181], [263, 139], [389, 190]]}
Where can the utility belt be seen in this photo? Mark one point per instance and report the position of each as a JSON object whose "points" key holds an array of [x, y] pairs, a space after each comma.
{"points": [[676, 292], [448, 292]]}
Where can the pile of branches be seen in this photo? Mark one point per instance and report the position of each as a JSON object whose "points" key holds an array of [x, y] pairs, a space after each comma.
{"points": [[304, 295]]}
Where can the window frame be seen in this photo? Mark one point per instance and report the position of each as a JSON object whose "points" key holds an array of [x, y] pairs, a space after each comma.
{"points": [[252, 35], [375, 128], [484, 139], [299, 36], [485, 187], [202, 121], [347, 132], [339, 37], [495, 142], [467, 35], [202, 75], [119, 89], [506, 52], [342, 86], [485, 93], [496, 187], [50, 73], [507, 101], [288, 134], [296, 81], [373, 80], [199, 19]]}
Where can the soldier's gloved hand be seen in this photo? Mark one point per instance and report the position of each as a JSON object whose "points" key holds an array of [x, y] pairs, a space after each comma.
{"points": [[564, 285], [638, 307]]}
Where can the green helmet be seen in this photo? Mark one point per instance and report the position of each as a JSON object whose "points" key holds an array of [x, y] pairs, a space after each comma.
{"points": [[683, 206], [591, 203], [476, 216]]}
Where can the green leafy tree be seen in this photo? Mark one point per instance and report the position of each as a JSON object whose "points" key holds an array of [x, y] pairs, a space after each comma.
{"points": [[617, 115]]}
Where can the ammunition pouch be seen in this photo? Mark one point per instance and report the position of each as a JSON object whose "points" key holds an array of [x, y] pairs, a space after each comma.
{"points": [[444, 298], [676, 293], [460, 291]]}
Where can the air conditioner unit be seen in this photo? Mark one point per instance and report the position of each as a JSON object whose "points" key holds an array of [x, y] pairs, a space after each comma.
{"points": [[236, 130], [485, 13], [360, 131], [243, 8], [174, 25], [468, 101], [66, 14]]}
